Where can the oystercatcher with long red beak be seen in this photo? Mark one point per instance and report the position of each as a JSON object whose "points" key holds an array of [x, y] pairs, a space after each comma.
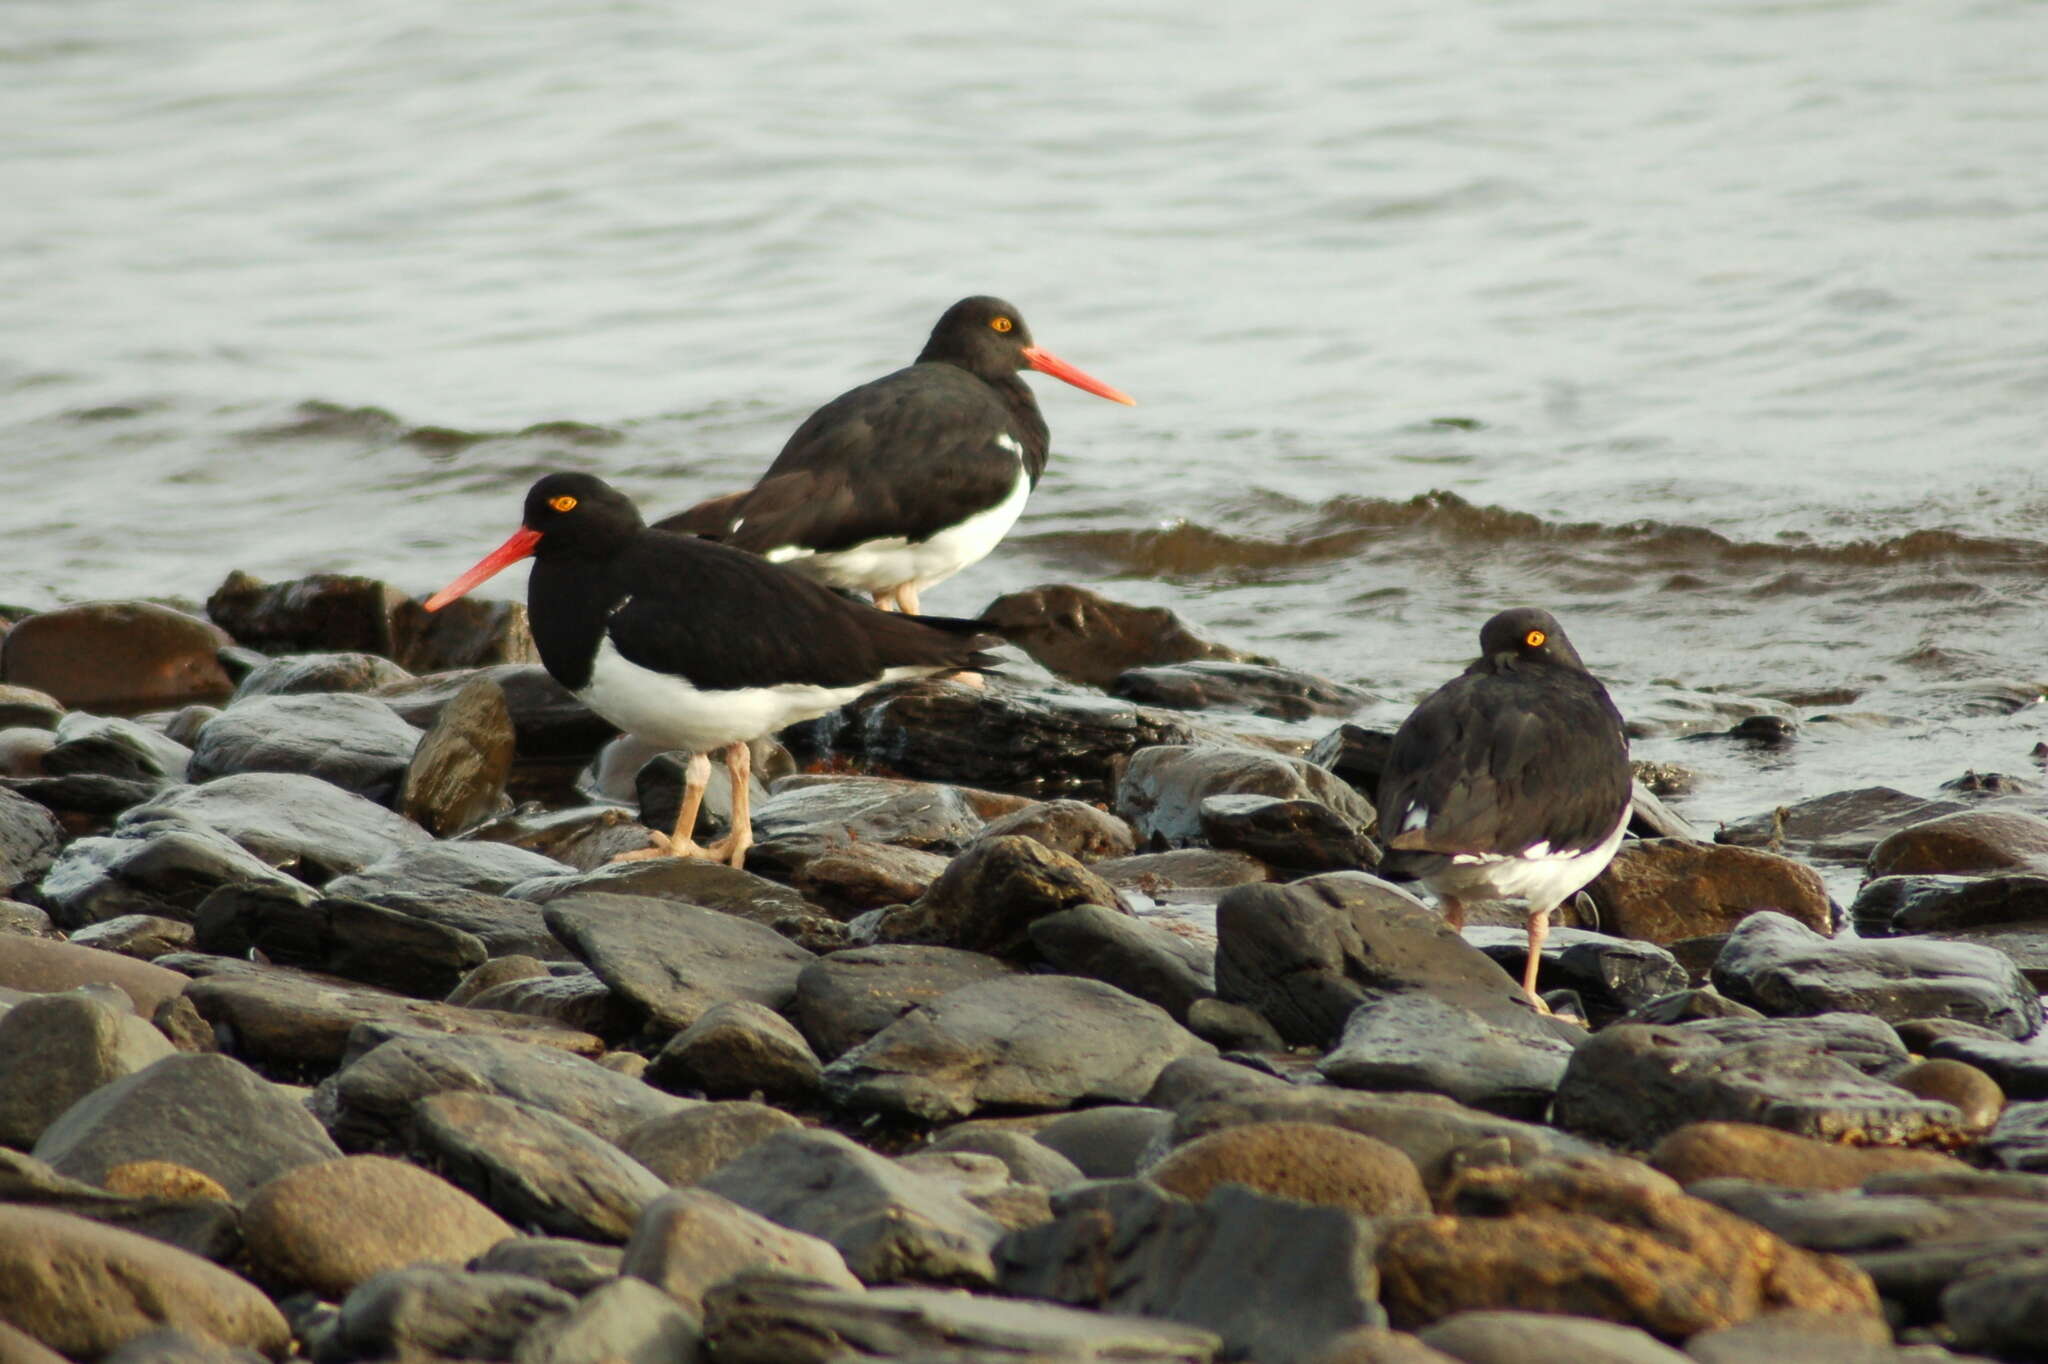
{"points": [[1509, 782], [901, 483], [696, 646]]}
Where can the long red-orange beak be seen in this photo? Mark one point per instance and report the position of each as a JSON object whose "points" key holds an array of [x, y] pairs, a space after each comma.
{"points": [[504, 556], [1045, 362]]}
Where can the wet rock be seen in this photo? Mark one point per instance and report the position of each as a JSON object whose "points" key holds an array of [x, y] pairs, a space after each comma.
{"points": [[116, 656], [534, 1167], [164, 868], [207, 1113], [736, 1049], [1039, 744], [1110, 1142], [504, 926], [35, 966], [891, 1226], [575, 1267], [583, 837], [1027, 1160], [1415, 1039], [141, 936], [1164, 786], [1543, 1338], [1272, 1277], [1579, 1240], [1296, 835], [1969, 1090], [1949, 904], [657, 788], [371, 1101], [671, 960], [305, 826], [1278, 693], [26, 708], [2003, 1309], [1086, 637], [2019, 1139], [988, 897], [1842, 826], [55, 1049], [1016, 1042], [688, 1241], [334, 612], [434, 1312], [626, 1320], [1779, 966], [86, 802], [1138, 958], [2019, 1070], [296, 674], [775, 1320], [914, 814], [844, 998], [327, 1227], [30, 840], [1612, 975], [1183, 875], [83, 1289], [1306, 1162], [854, 877], [555, 733], [1664, 889], [490, 868], [1734, 1150], [353, 939], [574, 998], [1073, 827], [458, 772], [1305, 955], [690, 881], [1975, 842], [1633, 1085], [355, 742], [683, 1146], [111, 747]]}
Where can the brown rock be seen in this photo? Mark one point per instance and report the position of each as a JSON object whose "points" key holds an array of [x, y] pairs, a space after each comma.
{"points": [[1308, 1162], [863, 876], [328, 1227], [83, 1288], [457, 775], [989, 895], [19, 1347], [117, 656], [495, 972], [1573, 1238], [1664, 889], [39, 966], [1740, 1150], [1975, 1095], [684, 1146], [27, 708], [162, 1179], [1376, 1345], [690, 1239], [1972, 843], [1086, 637], [1073, 827]]}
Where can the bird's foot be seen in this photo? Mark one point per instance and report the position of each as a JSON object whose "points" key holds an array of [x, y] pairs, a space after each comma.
{"points": [[731, 850], [1536, 1003], [968, 679], [664, 846]]}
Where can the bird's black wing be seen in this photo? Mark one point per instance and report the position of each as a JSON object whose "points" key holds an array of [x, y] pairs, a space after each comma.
{"points": [[1505, 761], [724, 619], [906, 456]]}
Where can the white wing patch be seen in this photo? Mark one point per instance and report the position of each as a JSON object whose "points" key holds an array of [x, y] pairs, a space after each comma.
{"points": [[1010, 443], [1418, 816]]}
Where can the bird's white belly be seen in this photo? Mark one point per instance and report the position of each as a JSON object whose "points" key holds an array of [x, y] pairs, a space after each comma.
{"points": [[880, 565], [1541, 878], [667, 710]]}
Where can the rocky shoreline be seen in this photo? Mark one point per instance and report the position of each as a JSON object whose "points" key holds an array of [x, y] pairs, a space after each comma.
{"points": [[1060, 1020]]}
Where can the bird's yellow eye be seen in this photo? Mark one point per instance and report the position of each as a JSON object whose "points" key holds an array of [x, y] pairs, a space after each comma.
{"points": [[568, 503], [1001, 324], [1534, 639]]}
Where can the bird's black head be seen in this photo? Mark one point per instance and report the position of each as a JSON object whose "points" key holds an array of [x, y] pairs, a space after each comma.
{"points": [[579, 514], [1527, 634], [981, 334]]}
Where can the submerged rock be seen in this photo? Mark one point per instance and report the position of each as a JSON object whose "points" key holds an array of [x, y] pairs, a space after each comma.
{"points": [[1086, 637], [1277, 693]]}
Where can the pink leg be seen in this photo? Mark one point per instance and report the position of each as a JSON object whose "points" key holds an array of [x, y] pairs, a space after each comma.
{"points": [[733, 847], [696, 773]]}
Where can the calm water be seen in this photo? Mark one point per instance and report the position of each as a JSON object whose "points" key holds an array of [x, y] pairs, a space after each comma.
{"points": [[1718, 329]]}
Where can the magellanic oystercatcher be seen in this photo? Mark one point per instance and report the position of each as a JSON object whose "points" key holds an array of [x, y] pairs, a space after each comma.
{"points": [[1511, 781], [901, 483], [696, 646]]}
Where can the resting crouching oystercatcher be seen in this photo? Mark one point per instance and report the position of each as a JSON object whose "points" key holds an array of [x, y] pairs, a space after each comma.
{"points": [[901, 483], [696, 646], [1509, 782]]}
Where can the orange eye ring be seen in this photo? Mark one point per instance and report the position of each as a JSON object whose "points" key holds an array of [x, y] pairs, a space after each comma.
{"points": [[1001, 324], [1534, 639], [563, 503]]}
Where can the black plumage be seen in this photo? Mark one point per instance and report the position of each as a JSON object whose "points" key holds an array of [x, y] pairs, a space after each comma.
{"points": [[1511, 781], [902, 459]]}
